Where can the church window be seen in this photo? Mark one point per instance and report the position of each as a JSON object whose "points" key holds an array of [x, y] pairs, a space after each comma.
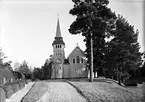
{"points": [[57, 46], [81, 60], [78, 59], [73, 60]]}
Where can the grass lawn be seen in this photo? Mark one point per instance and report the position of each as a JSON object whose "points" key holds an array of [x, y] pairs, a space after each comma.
{"points": [[103, 90], [36, 92]]}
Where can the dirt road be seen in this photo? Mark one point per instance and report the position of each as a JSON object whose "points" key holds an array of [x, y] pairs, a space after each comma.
{"points": [[61, 92]]}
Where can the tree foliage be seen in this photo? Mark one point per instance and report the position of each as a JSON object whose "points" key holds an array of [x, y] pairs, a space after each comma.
{"points": [[47, 69], [93, 17], [2, 57], [7, 65], [24, 68], [123, 54], [120, 56], [37, 73]]}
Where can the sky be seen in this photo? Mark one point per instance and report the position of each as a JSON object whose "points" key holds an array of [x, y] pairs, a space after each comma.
{"points": [[28, 27]]}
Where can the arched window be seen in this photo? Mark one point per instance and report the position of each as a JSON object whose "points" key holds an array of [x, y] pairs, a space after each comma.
{"points": [[82, 60], [78, 59], [73, 60]]}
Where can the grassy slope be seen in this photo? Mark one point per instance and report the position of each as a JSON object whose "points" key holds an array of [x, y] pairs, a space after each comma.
{"points": [[106, 92], [37, 91]]}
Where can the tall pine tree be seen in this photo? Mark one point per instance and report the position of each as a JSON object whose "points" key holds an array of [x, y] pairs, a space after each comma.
{"points": [[93, 17]]}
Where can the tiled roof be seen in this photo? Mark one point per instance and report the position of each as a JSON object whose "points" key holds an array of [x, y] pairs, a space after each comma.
{"points": [[58, 40], [66, 61]]}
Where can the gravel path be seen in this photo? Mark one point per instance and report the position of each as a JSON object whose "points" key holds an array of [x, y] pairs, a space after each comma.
{"points": [[61, 92]]}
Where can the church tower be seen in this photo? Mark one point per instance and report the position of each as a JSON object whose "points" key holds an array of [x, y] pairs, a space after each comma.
{"points": [[58, 52], [58, 45]]}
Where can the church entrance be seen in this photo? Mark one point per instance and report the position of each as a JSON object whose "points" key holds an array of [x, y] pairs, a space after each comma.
{"points": [[57, 71]]}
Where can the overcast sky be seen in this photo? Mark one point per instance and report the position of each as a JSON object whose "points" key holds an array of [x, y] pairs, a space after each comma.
{"points": [[28, 27]]}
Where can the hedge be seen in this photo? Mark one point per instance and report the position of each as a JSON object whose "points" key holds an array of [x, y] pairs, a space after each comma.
{"points": [[8, 88], [7, 74], [2, 95], [11, 88]]}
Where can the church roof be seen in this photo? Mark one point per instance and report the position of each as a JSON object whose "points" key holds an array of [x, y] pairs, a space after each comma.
{"points": [[58, 40], [77, 47], [66, 61]]}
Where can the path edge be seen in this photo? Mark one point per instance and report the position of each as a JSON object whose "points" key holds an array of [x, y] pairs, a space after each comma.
{"points": [[27, 92], [79, 91]]}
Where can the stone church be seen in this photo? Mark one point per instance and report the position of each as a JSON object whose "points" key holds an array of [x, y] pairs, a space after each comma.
{"points": [[71, 67]]}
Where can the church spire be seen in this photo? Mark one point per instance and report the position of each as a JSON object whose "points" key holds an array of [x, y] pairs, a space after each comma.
{"points": [[58, 37], [58, 32]]}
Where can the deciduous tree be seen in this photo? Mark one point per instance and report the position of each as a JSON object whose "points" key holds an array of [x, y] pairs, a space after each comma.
{"points": [[2, 57], [24, 68], [123, 54]]}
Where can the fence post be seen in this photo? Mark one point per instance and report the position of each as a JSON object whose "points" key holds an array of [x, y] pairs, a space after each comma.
{"points": [[4, 80], [11, 79]]}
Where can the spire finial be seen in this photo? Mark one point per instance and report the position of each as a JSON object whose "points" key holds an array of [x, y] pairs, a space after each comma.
{"points": [[77, 45]]}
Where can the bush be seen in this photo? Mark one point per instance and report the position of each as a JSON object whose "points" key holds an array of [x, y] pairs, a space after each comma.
{"points": [[25, 81], [16, 87], [8, 88], [21, 84], [131, 83], [28, 81], [2, 95]]}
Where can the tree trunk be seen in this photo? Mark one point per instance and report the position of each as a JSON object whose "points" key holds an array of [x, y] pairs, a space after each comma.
{"points": [[119, 81], [91, 70]]}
